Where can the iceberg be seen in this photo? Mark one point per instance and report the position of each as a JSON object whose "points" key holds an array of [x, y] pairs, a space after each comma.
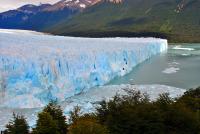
{"points": [[46, 67]]}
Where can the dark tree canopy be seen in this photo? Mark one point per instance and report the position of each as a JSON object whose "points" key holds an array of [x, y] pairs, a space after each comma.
{"points": [[17, 125], [51, 120], [132, 113], [135, 114]]}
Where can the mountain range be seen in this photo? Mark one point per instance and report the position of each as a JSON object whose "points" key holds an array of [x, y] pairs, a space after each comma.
{"points": [[34, 17], [176, 20]]}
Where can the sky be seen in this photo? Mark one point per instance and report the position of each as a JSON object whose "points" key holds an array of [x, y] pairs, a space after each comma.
{"points": [[13, 4]]}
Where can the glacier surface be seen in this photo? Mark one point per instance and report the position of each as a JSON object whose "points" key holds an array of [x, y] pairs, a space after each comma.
{"points": [[46, 67]]}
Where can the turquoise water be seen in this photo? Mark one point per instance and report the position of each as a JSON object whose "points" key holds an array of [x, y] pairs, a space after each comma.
{"points": [[178, 67]]}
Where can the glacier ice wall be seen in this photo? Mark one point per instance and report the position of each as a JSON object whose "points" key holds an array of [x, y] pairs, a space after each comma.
{"points": [[36, 68]]}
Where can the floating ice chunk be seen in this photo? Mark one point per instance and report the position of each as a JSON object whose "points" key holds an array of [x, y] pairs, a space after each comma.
{"points": [[174, 63], [171, 70], [185, 54], [183, 48]]}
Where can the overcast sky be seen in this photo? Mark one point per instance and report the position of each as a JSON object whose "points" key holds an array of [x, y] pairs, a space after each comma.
{"points": [[12, 4]]}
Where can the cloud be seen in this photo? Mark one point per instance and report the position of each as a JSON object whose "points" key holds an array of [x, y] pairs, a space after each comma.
{"points": [[13, 4]]}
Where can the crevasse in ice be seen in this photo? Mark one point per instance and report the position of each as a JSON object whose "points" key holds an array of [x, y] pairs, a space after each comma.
{"points": [[46, 67]]}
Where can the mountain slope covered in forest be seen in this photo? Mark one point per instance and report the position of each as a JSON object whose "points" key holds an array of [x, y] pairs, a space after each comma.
{"points": [[177, 20]]}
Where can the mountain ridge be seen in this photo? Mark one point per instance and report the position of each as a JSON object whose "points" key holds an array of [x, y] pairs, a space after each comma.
{"points": [[178, 21], [38, 17]]}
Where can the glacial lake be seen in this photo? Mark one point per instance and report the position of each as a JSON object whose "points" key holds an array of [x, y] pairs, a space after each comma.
{"points": [[178, 67]]}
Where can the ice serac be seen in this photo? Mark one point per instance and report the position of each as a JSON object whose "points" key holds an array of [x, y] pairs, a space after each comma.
{"points": [[45, 67]]}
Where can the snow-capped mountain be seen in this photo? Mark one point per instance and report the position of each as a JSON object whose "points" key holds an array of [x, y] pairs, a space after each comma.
{"points": [[116, 1], [23, 11], [81, 4], [29, 8], [40, 17], [37, 17], [77, 4]]}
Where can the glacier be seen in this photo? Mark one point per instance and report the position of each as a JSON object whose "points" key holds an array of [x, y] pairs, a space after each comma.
{"points": [[36, 68]]}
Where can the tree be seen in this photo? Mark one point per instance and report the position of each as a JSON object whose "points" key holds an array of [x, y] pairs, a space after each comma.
{"points": [[51, 120], [17, 126], [57, 115], [75, 114], [134, 113], [191, 99], [45, 124], [87, 124]]}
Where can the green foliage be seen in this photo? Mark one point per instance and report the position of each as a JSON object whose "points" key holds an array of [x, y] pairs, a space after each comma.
{"points": [[135, 114], [86, 124], [132, 113], [166, 27], [51, 119], [57, 114], [75, 114], [136, 16], [45, 124], [191, 99], [17, 126]]}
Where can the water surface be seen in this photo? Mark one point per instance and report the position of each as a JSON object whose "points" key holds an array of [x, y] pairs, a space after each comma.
{"points": [[179, 67]]}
